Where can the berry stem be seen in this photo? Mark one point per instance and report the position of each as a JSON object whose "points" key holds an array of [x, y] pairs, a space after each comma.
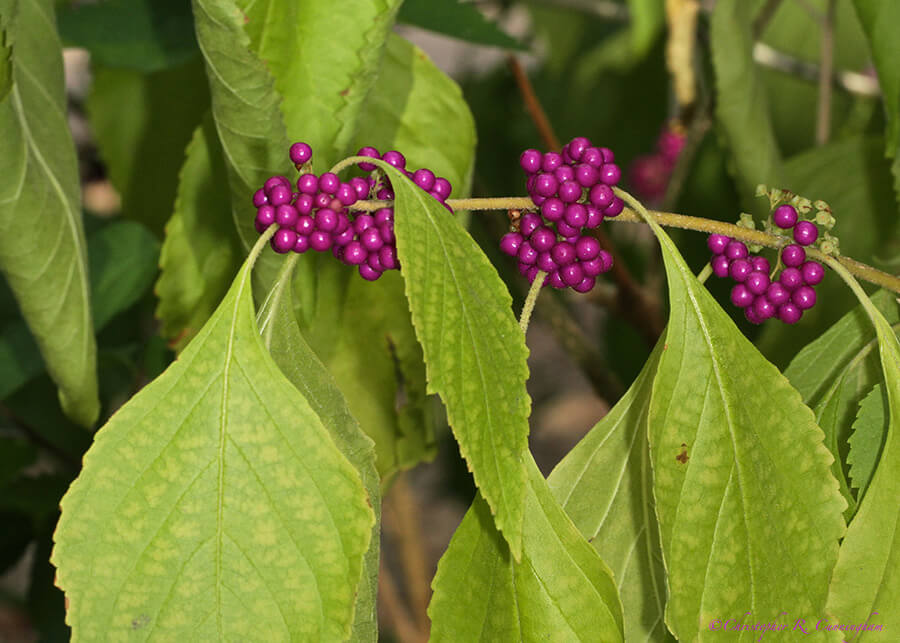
{"points": [[530, 300]]}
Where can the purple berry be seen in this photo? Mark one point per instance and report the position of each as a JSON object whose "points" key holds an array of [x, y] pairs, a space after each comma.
{"points": [[586, 175], [606, 261], [563, 253], [371, 239], [527, 254], [286, 215], [542, 239], [785, 216], [304, 204], [793, 255], [757, 282], [301, 245], [564, 173], [550, 161], [572, 274], [545, 185], [344, 237], [346, 194], [610, 173], [368, 273], [308, 183], [360, 187], [804, 297], [791, 278], [442, 187], [740, 269], [387, 232], [586, 285], [736, 250], [587, 248], [510, 243], [343, 223], [326, 220], [601, 196], [545, 262], [761, 264], [284, 240], [593, 267], [363, 222], [576, 215], [608, 156], [424, 178], [374, 262], [530, 161], [271, 182], [300, 153], [355, 253], [279, 195], [321, 200], [777, 294], [789, 313], [595, 217], [566, 230], [569, 192], [265, 216], [260, 199], [553, 209], [556, 280], [741, 296], [763, 308], [388, 257], [593, 157], [717, 243], [614, 208], [577, 146], [383, 215], [329, 183], [812, 273], [385, 194], [529, 223], [805, 233], [720, 265], [305, 225], [751, 315], [371, 152], [320, 241]]}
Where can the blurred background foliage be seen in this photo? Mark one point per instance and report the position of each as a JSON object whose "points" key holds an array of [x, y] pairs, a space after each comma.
{"points": [[750, 103]]}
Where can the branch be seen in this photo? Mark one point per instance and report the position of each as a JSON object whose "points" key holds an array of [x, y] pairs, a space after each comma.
{"points": [[533, 105], [826, 71]]}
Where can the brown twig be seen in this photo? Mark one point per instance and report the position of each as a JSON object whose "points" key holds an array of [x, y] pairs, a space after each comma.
{"points": [[533, 105], [764, 16], [826, 71]]}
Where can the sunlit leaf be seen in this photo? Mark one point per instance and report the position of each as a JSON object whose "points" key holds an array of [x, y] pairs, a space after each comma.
{"points": [[604, 485], [475, 354], [865, 586], [215, 504], [749, 512], [560, 591], [456, 19], [42, 245], [868, 434]]}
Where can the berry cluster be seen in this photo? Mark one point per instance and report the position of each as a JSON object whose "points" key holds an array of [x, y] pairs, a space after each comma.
{"points": [[574, 191], [649, 175], [319, 214], [757, 291]]}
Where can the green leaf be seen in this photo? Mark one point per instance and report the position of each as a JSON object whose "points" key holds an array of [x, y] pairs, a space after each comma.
{"points": [[144, 35], [868, 434], [865, 585], [561, 590], [324, 63], [742, 110], [416, 108], [215, 505], [42, 246], [458, 20], [648, 18], [878, 18], [749, 512], [604, 485], [475, 354], [245, 109], [142, 123], [305, 371], [202, 250], [122, 257], [835, 372]]}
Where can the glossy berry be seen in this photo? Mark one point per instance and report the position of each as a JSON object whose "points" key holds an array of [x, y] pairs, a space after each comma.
{"points": [[545, 262], [553, 209], [529, 223], [284, 240], [785, 216], [265, 216], [740, 269], [300, 153], [804, 297], [720, 264], [763, 308], [424, 178], [542, 239], [286, 215], [789, 313], [563, 253], [601, 196], [761, 264], [777, 294], [735, 250], [717, 243], [546, 185], [551, 161], [355, 254], [527, 254], [371, 152], [530, 161], [368, 273], [757, 282], [388, 257], [587, 248], [510, 243], [569, 191], [279, 195], [260, 199], [586, 285], [615, 208], [805, 233], [741, 296], [812, 273], [442, 188], [320, 241], [572, 274], [576, 215], [791, 278], [793, 255], [308, 184]]}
